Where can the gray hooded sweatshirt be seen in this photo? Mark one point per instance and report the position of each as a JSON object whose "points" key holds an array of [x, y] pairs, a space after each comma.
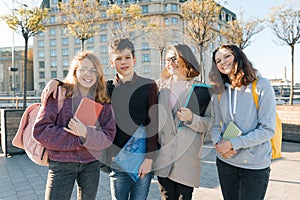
{"points": [[253, 146]]}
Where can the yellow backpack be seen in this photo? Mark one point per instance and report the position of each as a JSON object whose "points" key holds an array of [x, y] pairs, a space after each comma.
{"points": [[277, 139]]}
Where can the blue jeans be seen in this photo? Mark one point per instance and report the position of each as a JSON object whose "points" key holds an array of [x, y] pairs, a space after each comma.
{"points": [[242, 184], [124, 188], [62, 176]]}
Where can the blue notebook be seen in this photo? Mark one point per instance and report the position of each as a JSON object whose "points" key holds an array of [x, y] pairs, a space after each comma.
{"points": [[132, 154]]}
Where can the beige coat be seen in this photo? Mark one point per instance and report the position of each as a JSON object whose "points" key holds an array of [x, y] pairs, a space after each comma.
{"points": [[180, 152]]}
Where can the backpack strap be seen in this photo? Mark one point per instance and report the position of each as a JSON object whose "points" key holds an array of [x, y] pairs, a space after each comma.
{"points": [[254, 94]]}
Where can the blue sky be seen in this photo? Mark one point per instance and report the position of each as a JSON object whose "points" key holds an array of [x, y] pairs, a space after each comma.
{"points": [[266, 54]]}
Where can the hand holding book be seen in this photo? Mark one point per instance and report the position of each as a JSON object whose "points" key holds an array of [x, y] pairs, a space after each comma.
{"points": [[231, 131]]}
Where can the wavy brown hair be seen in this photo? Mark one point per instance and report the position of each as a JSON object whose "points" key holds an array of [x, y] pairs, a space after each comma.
{"points": [[242, 73], [71, 82]]}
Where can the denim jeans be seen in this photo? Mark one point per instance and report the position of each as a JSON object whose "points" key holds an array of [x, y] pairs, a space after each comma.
{"points": [[124, 188], [242, 184], [172, 190], [62, 176]]}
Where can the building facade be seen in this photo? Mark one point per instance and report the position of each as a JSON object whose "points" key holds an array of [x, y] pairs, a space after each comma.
{"points": [[11, 71], [54, 49]]}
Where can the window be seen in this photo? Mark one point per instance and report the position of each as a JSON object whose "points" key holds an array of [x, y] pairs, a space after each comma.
{"points": [[52, 31], [65, 72], [54, 2], [41, 74], [167, 21], [53, 74], [41, 64], [174, 21], [219, 38], [53, 63], [145, 9], [65, 41], [174, 7], [146, 58], [103, 38], [146, 70], [65, 63], [145, 46], [42, 85], [53, 42], [64, 31], [53, 53], [104, 60], [103, 15], [106, 71], [65, 52], [41, 54], [77, 50], [52, 20], [41, 43], [90, 40], [77, 41], [41, 34], [103, 26], [90, 48], [103, 49]]}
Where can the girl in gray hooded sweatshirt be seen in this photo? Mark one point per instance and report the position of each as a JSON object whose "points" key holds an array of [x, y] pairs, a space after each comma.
{"points": [[243, 161]]}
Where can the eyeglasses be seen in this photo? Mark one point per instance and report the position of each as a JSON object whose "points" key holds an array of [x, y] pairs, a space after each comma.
{"points": [[84, 70], [172, 59]]}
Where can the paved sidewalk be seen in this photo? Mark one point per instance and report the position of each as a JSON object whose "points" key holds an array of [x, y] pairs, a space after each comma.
{"points": [[21, 179]]}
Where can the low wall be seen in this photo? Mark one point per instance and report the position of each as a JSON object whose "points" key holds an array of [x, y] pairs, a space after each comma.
{"points": [[290, 117]]}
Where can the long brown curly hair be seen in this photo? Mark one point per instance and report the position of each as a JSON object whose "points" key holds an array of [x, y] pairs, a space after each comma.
{"points": [[71, 82], [242, 73]]}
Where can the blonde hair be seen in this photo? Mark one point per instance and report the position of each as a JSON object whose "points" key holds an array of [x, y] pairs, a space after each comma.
{"points": [[99, 89]]}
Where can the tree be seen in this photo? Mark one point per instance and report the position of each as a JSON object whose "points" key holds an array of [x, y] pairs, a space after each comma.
{"points": [[241, 32], [285, 23], [28, 22], [126, 20], [199, 18], [159, 34], [82, 18]]}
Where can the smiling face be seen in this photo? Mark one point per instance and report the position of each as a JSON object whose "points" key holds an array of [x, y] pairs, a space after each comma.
{"points": [[123, 61], [86, 75], [224, 60], [173, 64]]}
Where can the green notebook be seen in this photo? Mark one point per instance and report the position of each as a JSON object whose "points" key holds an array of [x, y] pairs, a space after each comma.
{"points": [[231, 131]]}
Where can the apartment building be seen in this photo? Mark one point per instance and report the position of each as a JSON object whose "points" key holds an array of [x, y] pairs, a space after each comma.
{"points": [[54, 49], [11, 70]]}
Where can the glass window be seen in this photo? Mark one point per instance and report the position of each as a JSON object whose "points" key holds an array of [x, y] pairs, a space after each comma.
{"points": [[53, 42], [65, 72], [52, 31], [54, 2], [53, 63], [104, 60], [41, 43], [53, 74], [65, 52], [90, 40], [103, 26], [53, 52], [65, 41], [41, 74], [41, 54], [52, 20], [145, 46], [41, 34], [145, 9], [77, 41], [146, 70], [174, 7], [77, 50], [65, 63], [41, 85], [103, 49], [146, 58], [174, 21], [41, 64], [103, 38]]}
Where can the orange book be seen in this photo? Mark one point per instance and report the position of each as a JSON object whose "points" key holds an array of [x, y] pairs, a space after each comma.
{"points": [[88, 111]]}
